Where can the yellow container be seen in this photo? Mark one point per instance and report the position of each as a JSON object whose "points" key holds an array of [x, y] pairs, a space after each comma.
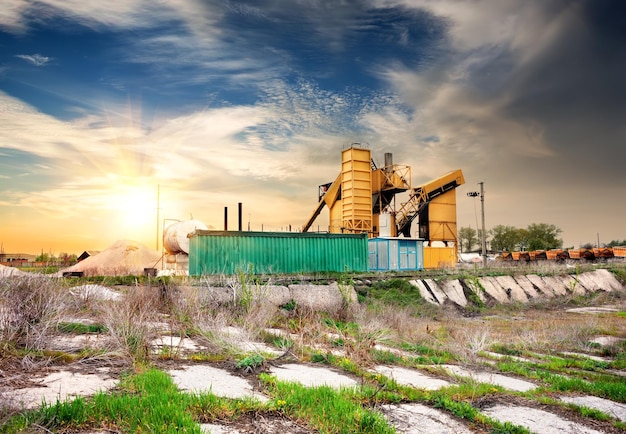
{"points": [[439, 257]]}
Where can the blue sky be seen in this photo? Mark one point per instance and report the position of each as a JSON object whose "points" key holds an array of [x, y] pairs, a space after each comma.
{"points": [[220, 102]]}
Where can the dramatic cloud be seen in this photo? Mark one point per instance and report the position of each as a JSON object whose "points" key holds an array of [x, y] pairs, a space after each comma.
{"points": [[253, 101]]}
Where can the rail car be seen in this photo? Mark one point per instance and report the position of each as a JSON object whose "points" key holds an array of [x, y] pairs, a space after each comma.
{"points": [[591, 254]]}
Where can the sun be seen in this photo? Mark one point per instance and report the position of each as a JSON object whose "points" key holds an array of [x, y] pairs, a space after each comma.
{"points": [[136, 205]]}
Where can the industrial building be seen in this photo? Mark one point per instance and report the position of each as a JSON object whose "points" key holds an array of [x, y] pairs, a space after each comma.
{"points": [[362, 200], [365, 230], [232, 252]]}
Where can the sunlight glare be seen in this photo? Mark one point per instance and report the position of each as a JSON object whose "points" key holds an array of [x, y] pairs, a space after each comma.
{"points": [[136, 206]]}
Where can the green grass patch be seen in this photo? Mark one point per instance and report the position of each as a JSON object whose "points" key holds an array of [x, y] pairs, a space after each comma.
{"points": [[326, 409], [506, 350], [428, 355], [349, 328], [597, 384], [81, 329], [395, 291], [146, 402], [250, 363]]}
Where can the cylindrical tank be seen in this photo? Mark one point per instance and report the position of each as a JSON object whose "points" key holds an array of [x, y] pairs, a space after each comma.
{"points": [[175, 235]]}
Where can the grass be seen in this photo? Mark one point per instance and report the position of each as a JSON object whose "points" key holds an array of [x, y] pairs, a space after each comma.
{"points": [[146, 402], [326, 409], [81, 329], [391, 313]]}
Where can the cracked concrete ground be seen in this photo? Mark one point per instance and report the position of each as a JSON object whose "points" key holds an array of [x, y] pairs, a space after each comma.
{"points": [[406, 417]]}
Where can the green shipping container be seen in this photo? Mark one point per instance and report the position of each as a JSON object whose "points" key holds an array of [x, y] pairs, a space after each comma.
{"points": [[231, 252]]}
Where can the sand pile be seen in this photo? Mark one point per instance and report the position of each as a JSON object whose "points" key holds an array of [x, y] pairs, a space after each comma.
{"points": [[10, 272], [123, 258]]}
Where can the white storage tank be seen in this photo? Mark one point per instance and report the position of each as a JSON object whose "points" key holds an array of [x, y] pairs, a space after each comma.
{"points": [[175, 239]]}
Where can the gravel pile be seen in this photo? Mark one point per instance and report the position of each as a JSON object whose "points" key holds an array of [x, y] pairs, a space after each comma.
{"points": [[123, 258]]}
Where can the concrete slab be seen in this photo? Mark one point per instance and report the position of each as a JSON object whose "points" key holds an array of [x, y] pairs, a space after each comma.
{"points": [[593, 309], [606, 341], [262, 423], [614, 409], [95, 292], [589, 281], [537, 421], [527, 286], [600, 280], [573, 285], [454, 290], [411, 377], [324, 298], [174, 344], [210, 428], [239, 339], [277, 295], [608, 280], [512, 289], [424, 291], [474, 285], [420, 419], [505, 356], [76, 343], [62, 386], [396, 351], [556, 285], [436, 290], [587, 356], [543, 287], [492, 378], [205, 378], [493, 289], [311, 376]]}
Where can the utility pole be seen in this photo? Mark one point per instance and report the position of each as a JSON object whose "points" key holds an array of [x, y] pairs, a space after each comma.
{"points": [[484, 235], [157, 214]]}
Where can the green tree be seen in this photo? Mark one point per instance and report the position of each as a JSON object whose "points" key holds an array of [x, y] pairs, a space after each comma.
{"points": [[45, 257], [543, 236], [523, 240], [504, 238], [615, 243], [467, 238], [67, 259]]}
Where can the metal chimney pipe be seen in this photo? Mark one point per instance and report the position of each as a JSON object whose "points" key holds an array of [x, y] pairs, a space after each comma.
{"points": [[240, 209], [225, 218], [388, 159]]}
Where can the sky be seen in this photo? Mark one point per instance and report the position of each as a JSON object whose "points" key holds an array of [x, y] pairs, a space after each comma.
{"points": [[119, 117]]}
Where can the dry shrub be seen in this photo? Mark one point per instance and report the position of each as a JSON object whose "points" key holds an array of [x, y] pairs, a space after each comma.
{"points": [[402, 320], [29, 309], [260, 315], [474, 341], [134, 322], [307, 329], [370, 332], [194, 310]]}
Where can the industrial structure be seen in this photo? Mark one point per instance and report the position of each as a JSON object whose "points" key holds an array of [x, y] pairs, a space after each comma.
{"points": [[362, 199], [175, 257], [233, 252]]}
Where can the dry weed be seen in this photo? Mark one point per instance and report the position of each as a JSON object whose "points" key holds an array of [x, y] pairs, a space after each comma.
{"points": [[260, 316], [476, 341], [30, 310], [134, 322]]}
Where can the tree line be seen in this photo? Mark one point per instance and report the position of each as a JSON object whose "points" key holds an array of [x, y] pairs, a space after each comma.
{"points": [[62, 258], [502, 238]]}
